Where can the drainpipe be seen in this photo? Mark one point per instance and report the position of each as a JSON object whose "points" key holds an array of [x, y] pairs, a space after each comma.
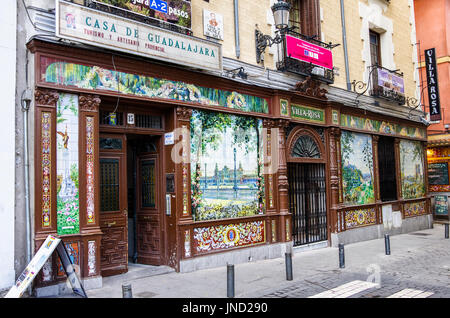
{"points": [[236, 27], [344, 40], [26, 100]]}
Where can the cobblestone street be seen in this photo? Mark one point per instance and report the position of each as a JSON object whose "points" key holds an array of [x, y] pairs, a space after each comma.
{"points": [[419, 266], [422, 266]]}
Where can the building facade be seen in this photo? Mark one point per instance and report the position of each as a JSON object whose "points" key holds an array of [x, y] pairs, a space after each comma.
{"points": [[8, 64], [432, 20], [188, 138]]}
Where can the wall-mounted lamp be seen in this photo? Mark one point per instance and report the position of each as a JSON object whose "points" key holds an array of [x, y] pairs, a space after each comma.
{"points": [[280, 12], [240, 72]]}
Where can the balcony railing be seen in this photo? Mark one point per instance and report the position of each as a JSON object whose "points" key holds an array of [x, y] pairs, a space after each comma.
{"points": [[289, 64], [387, 84]]}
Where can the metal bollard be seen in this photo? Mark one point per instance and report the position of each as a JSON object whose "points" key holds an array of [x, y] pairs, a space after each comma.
{"points": [[230, 280], [288, 257], [126, 291], [446, 230], [387, 244], [341, 256]]}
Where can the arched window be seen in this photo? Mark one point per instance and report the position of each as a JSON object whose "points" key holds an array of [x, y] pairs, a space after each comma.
{"points": [[305, 147]]}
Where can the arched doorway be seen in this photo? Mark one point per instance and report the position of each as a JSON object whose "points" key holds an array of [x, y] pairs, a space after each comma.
{"points": [[307, 186]]}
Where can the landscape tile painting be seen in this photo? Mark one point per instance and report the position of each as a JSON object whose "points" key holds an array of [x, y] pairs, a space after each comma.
{"points": [[357, 168], [226, 166]]}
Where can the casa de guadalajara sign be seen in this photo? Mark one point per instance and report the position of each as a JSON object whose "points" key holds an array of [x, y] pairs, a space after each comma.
{"points": [[78, 23]]}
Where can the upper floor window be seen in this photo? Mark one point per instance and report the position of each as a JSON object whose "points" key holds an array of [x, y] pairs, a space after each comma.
{"points": [[375, 50], [305, 16]]}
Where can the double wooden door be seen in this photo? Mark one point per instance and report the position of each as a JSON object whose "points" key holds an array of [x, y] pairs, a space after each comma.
{"points": [[114, 212]]}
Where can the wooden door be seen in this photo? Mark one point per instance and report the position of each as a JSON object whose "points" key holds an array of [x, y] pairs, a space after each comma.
{"points": [[148, 205], [113, 204]]}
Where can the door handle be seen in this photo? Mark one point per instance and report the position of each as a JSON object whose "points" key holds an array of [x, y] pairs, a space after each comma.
{"points": [[111, 223], [125, 211]]}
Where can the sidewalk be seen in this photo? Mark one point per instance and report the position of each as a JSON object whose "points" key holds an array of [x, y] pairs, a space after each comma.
{"points": [[420, 258]]}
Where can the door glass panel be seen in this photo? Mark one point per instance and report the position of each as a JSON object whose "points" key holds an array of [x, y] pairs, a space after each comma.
{"points": [[148, 183], [109, 185]]}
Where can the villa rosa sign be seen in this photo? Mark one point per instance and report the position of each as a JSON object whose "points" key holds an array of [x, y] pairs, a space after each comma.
{"points": [[92, 27], [308, 52]]}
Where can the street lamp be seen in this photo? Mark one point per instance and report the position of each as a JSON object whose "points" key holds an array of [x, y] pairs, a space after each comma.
{"points": [[280, 12]]}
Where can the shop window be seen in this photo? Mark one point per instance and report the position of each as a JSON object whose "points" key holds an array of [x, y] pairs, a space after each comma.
{"points": [[305, 16], [386, 169]]}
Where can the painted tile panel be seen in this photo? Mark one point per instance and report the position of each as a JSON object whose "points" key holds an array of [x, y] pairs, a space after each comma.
{"points": [[67, 165]]}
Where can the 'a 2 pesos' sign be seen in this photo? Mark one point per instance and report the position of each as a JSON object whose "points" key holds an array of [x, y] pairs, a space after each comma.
{"points": [[89, 26], [172, 11]]}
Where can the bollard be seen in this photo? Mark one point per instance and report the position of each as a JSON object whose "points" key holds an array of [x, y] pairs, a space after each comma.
{"points": [[230, 280], [387, 244], [341, 256], [126, 291], [288, 257], [446, 230]]}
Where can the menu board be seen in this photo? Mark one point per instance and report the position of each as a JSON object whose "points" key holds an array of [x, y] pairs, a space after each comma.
{"points": [[438, 173], [440, 205]]}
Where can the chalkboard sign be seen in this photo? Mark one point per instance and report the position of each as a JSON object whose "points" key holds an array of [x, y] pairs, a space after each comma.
{"points": [[438, 173], [440, 205]]}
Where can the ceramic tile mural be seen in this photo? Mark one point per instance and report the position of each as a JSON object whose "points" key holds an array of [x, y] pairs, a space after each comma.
{"points": [[67, 164], [226, 166], [385, 127], [360, 217], [227, 236], [357, 168], [414, 209], [97, 78], [412, 169]]}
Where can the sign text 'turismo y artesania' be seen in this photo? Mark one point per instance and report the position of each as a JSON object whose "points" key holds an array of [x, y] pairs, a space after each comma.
{"points": [[92, 27]]}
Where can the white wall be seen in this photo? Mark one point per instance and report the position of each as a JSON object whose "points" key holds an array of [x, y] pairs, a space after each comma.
{"points": [[8, 18]]}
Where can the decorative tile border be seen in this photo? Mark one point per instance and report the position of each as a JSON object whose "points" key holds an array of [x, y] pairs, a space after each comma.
{"points": [[439, 188], [46, 168], [288, 230], [274, 231], [67, 74], [384, 127], [414, 209], [92, 263], [187, 243], [360, 217], [90, 169], [185, 172], [207, 239]]}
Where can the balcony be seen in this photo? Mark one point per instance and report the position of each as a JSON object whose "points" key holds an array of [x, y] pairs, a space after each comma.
{"points": [[306, 56], [386, 84]]}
